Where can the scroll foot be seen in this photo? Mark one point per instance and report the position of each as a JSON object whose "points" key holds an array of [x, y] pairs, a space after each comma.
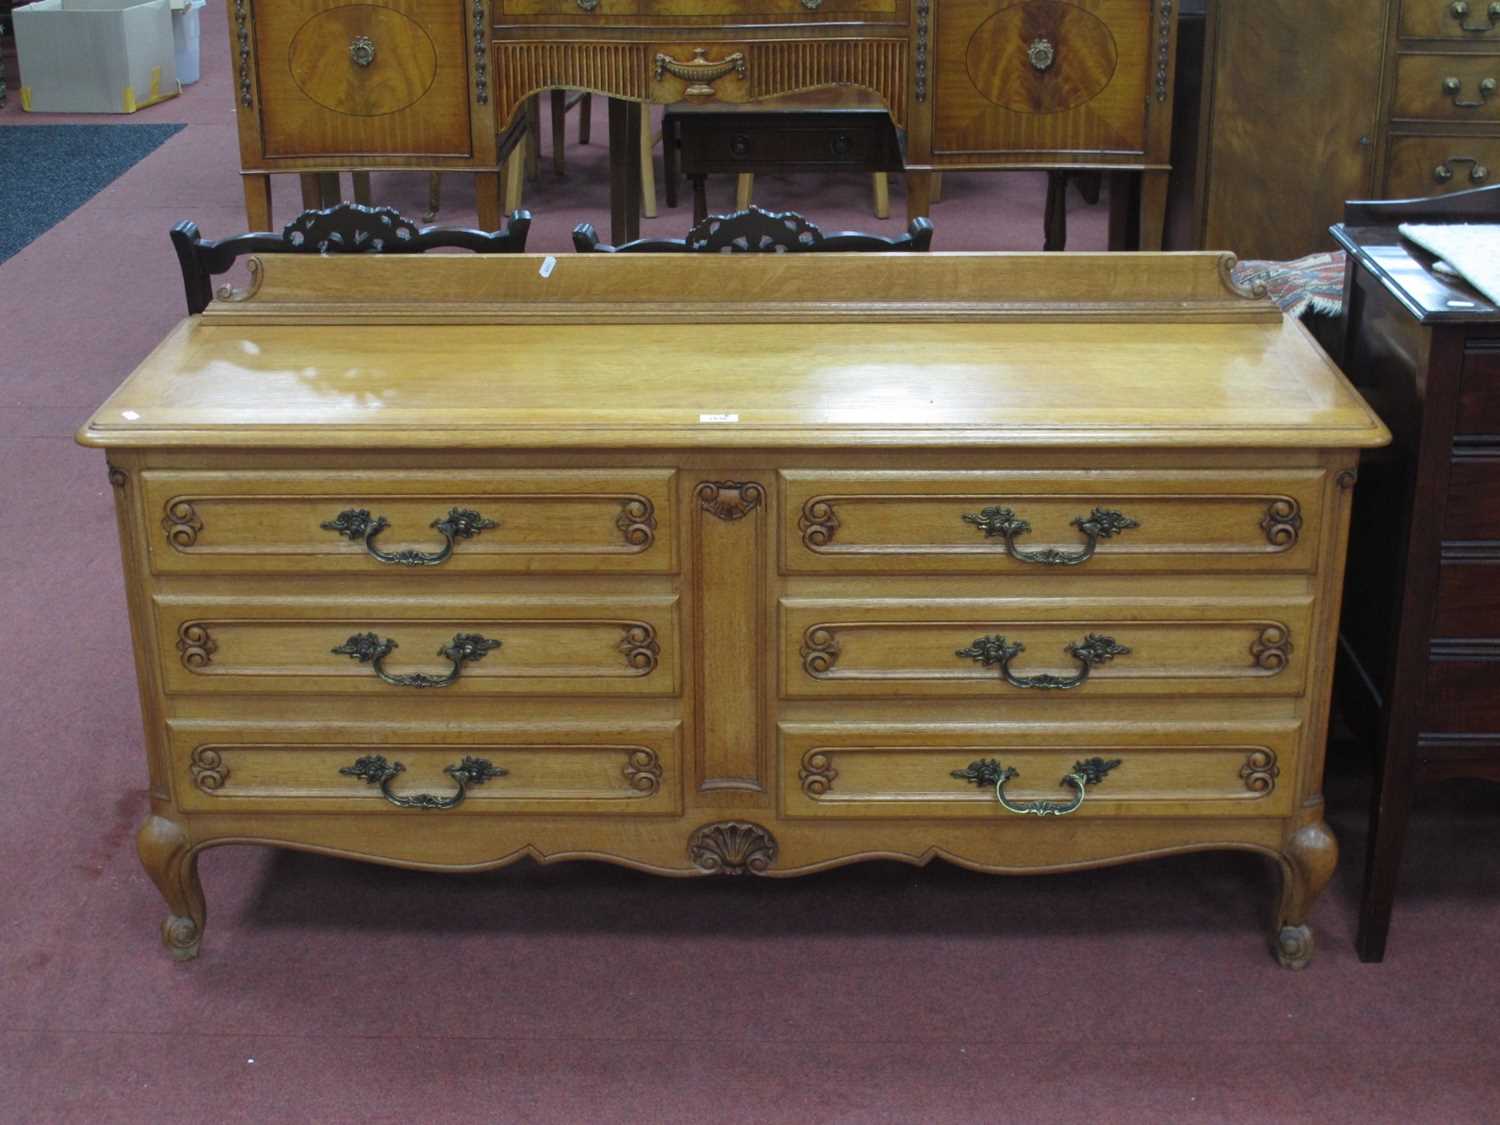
{"points": [[1307, 860], [1294, 946], [168, 857]]}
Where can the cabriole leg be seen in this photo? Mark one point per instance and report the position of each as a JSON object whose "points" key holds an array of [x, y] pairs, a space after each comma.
{"points": [[166, 852], [1308, 859]]}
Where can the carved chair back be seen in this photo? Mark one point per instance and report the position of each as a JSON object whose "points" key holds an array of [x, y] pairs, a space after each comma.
{"points": [[349, 228], [755, 231]]}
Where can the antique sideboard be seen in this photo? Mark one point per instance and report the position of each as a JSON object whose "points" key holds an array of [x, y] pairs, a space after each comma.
{"points": [[428, 84], [753, 564]]}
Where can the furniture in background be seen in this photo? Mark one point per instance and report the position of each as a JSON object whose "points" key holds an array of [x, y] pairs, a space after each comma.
{"points": [[348, 228], [736, 564], [1421, 629], [756, 231], [845, 128], [1356, 99]]}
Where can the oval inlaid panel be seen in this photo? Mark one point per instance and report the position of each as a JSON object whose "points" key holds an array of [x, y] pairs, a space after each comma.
{"points": [[1042, 56], [402, 70]]}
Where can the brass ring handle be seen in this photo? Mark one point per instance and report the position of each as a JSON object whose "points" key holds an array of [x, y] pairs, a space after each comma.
{"points": [[1459, 10], [374, 769], [362, 50], [1452, 87], [698, 72], [358, 525], [370, 649], [1093, 650], [988, 772], [1041, 54], [1478, 173], [1101, 523]]}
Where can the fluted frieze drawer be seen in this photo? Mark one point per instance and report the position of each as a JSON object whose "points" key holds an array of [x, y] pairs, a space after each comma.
{"points": [[626, 769], [874, 771], [449, 521], [1059, 650], [1083, 522], [545, 645]]}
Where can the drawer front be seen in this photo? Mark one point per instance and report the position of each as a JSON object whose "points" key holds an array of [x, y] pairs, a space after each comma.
{"points": [[1056, 649], [1473, 512], [1447, 87], [597, 9], [625, 770], [1479, 392], [908, 771], [728, 146], [462, 645], [1474, 20], [1418, 166], [1074, 522], [286, 522], [1041, 75], [1468, 601], [368, 78], [804, 8], [1461, 695]]}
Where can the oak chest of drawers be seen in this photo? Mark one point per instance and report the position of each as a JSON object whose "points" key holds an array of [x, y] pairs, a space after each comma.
{"points": [[447, 562]]}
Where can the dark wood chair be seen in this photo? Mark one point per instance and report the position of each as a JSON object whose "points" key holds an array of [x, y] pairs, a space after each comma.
{"points": [[756, 231], [349, 228]]}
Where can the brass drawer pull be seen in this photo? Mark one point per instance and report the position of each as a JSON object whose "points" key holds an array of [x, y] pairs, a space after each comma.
{"points": [[370, 649], [812, 5], [1101, 523], [1478, 173], [988, 772], [1093, 650], [1453, 86], [588, 5], [698, 71], [1041, 54], [374, 769], [1459, 10], [362, 50], [357, 524]]}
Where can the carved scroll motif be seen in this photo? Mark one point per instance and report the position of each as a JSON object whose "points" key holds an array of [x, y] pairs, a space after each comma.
{"points": [[732, 847]]}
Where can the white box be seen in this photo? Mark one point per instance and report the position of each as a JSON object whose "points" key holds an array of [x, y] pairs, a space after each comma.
{"points": [[185, 38], [95, 56]]}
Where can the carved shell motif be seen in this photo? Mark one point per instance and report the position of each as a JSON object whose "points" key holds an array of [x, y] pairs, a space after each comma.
{"points": [[732, 847]]}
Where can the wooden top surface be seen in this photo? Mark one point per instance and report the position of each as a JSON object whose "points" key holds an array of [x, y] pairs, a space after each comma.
{"points": [[327, 353], [1406, 269]]}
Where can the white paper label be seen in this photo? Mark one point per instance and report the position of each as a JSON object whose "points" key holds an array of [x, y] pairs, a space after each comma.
{"points": [[718, 418], [549, 263]]}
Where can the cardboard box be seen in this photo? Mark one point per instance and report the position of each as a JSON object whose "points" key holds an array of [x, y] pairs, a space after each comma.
{"points": [[95, 56]]}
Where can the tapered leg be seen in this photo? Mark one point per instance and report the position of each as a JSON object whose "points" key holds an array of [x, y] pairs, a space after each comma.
{"points": [[533, 142], [333, 193], [624, 170], [882, 189], [515, 179], [918, 195], [361, 185], [257, 200], [1308, 859], [1123, 212], [1055, 225], [167, 854], [487, 199], [1390, 808], [1089, 184], [669, 156], [744, 190], [700, 198], [312, 191], [434, 196], [648, 166], [585, 118], [560, 132], [1153, 220], [937, 187]]}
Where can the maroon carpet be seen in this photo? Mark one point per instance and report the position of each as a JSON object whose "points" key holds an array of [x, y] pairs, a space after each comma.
{"points": [[332, 991]]}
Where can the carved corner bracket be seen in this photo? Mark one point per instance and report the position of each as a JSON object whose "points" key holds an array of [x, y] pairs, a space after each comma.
{"points": [[732, 847], [730, 500]]}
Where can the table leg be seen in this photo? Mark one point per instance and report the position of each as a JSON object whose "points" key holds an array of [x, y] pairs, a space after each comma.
{"points": [[669, 160], [559, 132], [700, 198], [361, 184], [312, 191], [515, 179], [487, 199], [744, 190], [1390, 807], [918, 195], [1123, 214], [1055, 225], [1089, 184], [882, 188], [648, 166], [333, 194], [624, 170], [257, 200], [1153, 217]]}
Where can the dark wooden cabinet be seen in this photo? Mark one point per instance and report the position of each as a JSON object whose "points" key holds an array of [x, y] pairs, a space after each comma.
{"points": [[1421, 621]]}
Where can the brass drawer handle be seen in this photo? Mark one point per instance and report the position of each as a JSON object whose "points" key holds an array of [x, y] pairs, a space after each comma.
{"points": [[1459, 10], [362, 50], [370, 649], [1452, 87], [374, 769], [588, 5], [1478, 173], [812, 5], [358, 525], [1101, 523], [698, 71], [988, 772], [1041, 54], [1093, 650]]}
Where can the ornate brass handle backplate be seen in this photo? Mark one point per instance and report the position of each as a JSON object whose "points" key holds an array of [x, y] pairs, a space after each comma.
{"points": [[370, 649], [1454, 86], [1459, 10], [1093, 650], [362, 50], [374, 769], [1041, 54], [699, 72], [987, 772], [357, 524], [1003, 523]]}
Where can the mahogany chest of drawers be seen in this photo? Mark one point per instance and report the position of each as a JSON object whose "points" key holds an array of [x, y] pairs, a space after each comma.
{"points": [[448, 562]]}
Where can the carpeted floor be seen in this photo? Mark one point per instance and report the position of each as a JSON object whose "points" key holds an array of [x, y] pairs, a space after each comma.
{"points": [[51, 170], [332, 991]]}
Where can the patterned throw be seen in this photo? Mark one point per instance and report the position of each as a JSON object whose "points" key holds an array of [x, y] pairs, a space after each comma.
{"points": [[1315, 282]]}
